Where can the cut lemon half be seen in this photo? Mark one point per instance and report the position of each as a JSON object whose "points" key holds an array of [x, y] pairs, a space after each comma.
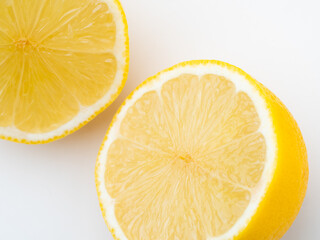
{"points": [[201, 151], [61, 63]]}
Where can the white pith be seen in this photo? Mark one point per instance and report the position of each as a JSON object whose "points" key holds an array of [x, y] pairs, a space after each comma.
{"points": [[85, 112], [266, 128]]}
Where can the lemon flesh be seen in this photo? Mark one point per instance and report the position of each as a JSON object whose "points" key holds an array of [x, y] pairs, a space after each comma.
{"points": [[186, 161], [57, 58]]}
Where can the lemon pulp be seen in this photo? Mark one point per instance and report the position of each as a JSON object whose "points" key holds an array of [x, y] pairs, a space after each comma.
{"points": [[56, 58], [186, 161]]}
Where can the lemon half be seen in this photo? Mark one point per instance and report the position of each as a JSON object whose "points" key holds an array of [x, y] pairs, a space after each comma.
{"points": [[61, 63], [201, 151]]}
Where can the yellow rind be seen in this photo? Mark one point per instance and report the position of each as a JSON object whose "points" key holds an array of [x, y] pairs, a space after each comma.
{"points": [[285, 193], [113, 97]]}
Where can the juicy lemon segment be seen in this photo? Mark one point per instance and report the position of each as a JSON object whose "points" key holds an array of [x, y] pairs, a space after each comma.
{"points": [[58, 59], [40, 104], [186, 160]]}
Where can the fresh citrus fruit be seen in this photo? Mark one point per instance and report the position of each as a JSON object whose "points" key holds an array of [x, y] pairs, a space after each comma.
{"points": [[201, 151], [61, 63]]}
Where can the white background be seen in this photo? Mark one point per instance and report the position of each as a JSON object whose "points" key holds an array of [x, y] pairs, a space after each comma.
{"points": [[48, 191]]}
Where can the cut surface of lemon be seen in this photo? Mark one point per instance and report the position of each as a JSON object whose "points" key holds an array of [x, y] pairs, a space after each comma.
{"points": [[61, 63], [201, 151]]}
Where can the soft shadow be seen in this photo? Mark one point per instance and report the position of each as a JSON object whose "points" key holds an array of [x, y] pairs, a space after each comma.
{"points": [[300, 229]]}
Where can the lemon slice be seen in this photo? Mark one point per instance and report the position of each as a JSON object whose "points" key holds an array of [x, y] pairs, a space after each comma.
{"points": [[61, 63], [201, 151]]}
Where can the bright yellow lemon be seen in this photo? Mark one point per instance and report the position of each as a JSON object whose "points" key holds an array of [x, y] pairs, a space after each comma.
{"points": [[61, 63], [201, 151]]}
